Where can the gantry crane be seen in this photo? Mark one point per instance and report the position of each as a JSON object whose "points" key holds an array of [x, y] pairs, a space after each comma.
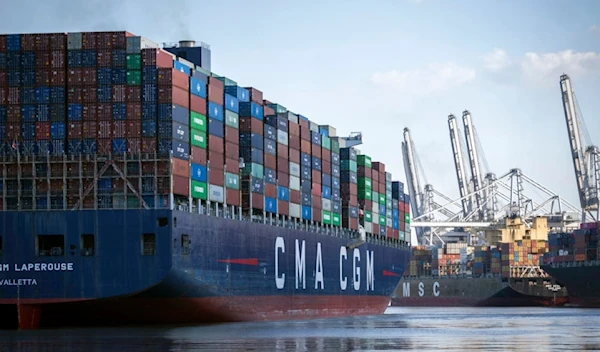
{"points": [[586, 159], [463, 186]]}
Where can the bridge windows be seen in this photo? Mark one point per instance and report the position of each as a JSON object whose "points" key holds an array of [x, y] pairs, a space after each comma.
{"points": [[148, 244], [50, 245], [87, 245]]}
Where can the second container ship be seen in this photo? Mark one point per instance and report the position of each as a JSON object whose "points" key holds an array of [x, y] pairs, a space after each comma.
{"points": [[138, 186]]}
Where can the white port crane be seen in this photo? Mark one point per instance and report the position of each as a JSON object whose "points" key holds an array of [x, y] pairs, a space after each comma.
{"points": [[474, 162], [586, 159], [459, 164]]}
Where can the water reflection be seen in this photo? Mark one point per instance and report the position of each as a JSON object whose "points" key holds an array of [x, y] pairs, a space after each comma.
{"points": [[422, 329]]}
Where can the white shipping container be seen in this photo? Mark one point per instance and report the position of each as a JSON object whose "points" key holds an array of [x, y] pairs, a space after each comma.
{"points": [[326, 204], [375, 218], [295, 210], [282, 137], [314, 127], [216, 194], [369, 227], [375, 209], [74, 41], [293, 117], [136, 44], [388, 222], [295, 183], [294, 169]]}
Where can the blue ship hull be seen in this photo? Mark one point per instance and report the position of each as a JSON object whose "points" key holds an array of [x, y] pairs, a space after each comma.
{"points": [[200, 268]]}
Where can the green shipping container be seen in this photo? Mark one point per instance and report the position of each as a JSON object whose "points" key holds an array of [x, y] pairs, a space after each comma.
{"points": [[407, 218], [365, 194], [326, 217], [198, 138], [348, 165], [232, 119], [256, 170], [226, 81], [368, 216], [134, 62], [335, 146], [198, 190], [381, 220], [382, 198], [365, 183], [133, 202], [375, 198], [134, 77], [279, 109], [232, 181], [388, 203], [336, 219], [401, 236], [364, 160], [197, 121], [326, 142]]}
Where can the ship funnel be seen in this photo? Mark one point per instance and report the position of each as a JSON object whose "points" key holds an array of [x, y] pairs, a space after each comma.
{"points": [[187, 43]]}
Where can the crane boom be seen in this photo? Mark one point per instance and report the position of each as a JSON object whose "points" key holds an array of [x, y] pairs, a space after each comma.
{"points": [[473, 159], [459, 164], [412, 178], [584, 184]]}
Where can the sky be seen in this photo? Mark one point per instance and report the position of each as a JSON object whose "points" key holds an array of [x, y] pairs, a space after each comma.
{"points": [[380, 66]]}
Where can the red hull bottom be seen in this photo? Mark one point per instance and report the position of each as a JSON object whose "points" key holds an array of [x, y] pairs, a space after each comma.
{"points": [[196, 310]]}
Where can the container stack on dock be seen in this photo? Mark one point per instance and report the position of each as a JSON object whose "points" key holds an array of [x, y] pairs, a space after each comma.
{"points": [[109, 120]]}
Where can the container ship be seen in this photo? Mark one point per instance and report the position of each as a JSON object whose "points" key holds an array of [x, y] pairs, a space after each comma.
{"points": [[573, 260], [506, 274], [138, 186]]}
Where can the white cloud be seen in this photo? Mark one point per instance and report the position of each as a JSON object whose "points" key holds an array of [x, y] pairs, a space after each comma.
{"points": [[437, 77], [545, 68], [496, 60]]}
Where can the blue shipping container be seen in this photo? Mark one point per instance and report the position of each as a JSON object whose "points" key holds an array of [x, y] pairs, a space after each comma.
{"points": [[28, 78], [13, 42], [335, 183], [28, 130], [88, 58], [315, 137], [105, 184], [270, 176], [174, 130], [119, 145], [198, 172], [56, 147], [325, 192], [75, 146], [57, 131], [231, 103], [270, 132], [305, 186], [197, 87], [13, 78], [149, 75], [336, 194], [216, 128], [270, 147], [119, 111], [251, 110], [305, 160], [251, 139], [27, 60], [174, 112], [42, 113], [305, 172], [283, 193], [257, 186], [89, 146], [271, 120], [149, 128], [28, 95], [253, 155], [181, 67], [316, 163], [326, 180], [74, 58], [43, 95], [74, 112], [270, 205], [149, 93], [104, 94], [119, 75], [57, 95], [306, 212], [149, 111], [104, 76], [240, 93], [180, 150], [119, 58], [306, 198], [28, 113], [215, 111]]}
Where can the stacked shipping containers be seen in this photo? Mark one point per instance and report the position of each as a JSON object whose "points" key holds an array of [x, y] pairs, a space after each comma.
{"points": [[116, 122]]}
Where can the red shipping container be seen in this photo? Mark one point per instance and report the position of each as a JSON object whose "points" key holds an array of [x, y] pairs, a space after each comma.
{"points": [[215, 144], [364, 172], [175, 95], [283, 207], [326, 167], [376, 229], [283, 179], [316, 175], [294, 156], [215, 93], [317, 215], [90, 112], [157, 57], [305, 146], [119, 129], [74, 129], [13, 96], [250, 124], [258, 201], [198, 155], [13, 132], [74, 76], [316, 150], [325, 155], [180, 167], [148, 145], [88, 40], [134, 111], [2, 43], [232, 151], [294, 130], [3, 93], [170, 77], [294, 196], [267, 111], [270, 190], [134, 129], [382, 187], [283, 165], [270, 161], [367, 204], [104, 128], [350, 223], [42, 130], [119, 93], [28, 42], [89, 95], [89, 76], [43, 60], [13, 114], [375, 177], [216, 176], [181, 185], [75, 95], [378, 166], [233, 196], [304, 131], [134, 145], [198, 104], [316, 202], [4, 82], [232, 135], [58, 78], [104, 145], [294, 142], [316, 188], [104, 58], [42, 77], [255, 95], [216, 160], [134, 94], [232, 165], [282, 151]]}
